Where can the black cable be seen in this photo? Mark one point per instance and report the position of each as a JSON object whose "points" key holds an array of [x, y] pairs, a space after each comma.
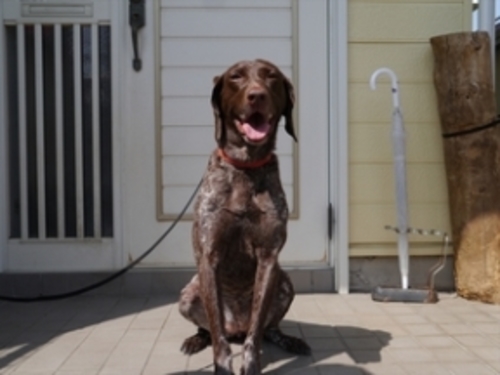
{"points": [[111, 277], [494, 122]]}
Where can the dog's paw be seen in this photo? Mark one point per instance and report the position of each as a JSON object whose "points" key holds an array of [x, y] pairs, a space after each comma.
{"points": [[222, 371], [288, 343], [196, 343], [250, 364], [251, 370], [223, 361]]}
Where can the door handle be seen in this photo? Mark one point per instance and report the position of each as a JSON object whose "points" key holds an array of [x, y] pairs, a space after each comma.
{"points": [[137, 20]]}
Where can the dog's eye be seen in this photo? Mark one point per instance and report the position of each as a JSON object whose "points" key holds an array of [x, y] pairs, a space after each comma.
{"points": [[272, 75], [235, 76]]}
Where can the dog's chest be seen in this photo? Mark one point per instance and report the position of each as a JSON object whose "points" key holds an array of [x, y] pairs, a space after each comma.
{"points": [[256, 203], [241, 212]]}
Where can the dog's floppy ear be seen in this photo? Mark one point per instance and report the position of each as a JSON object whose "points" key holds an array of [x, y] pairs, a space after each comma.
{"points": [[290, 101], [220, 131]]}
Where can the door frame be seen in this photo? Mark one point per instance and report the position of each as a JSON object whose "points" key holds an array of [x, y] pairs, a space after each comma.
{"points": [[338, 126], [4, 217]]}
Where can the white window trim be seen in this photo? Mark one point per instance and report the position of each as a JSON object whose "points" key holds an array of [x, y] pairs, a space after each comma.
{"points": [[339, 163]]}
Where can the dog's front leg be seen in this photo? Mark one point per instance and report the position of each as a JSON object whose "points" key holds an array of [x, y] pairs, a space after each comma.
{"points": [[212, 303], [265, 282]]}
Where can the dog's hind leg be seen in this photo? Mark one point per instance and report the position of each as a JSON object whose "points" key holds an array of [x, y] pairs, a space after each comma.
{"points": [[191, 308], [281, 303], [190, 304]]}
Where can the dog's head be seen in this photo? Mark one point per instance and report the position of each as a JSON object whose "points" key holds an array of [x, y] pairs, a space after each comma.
{"points": [[249, 100]]}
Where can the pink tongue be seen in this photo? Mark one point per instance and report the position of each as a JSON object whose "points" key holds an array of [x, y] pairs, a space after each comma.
{"points": [[256, 133]]}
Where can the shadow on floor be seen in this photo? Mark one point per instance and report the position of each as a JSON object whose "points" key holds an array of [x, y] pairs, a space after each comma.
{"points": [[320, 369], [25, 327], [328, 342]]}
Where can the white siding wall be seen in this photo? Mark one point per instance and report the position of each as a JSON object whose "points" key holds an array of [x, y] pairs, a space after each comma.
{"points": [[199, 40]]}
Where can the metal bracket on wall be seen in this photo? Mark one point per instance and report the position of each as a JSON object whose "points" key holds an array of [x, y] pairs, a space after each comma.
{"points": [[331, 220]]}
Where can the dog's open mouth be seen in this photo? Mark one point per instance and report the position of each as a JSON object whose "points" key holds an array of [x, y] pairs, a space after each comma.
{"points": [[255, 127]]}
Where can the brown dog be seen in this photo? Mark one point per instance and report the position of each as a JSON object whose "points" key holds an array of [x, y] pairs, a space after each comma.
{"points": [[240, 293]]}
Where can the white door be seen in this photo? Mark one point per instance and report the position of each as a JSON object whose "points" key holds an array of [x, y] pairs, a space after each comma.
{"points": [[59, 165], [167, 124]]}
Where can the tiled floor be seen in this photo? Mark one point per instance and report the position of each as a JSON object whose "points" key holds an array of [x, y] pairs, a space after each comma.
{"points": [[348, 334]]}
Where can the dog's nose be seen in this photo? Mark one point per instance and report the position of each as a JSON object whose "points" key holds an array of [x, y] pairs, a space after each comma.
{"points": [[256, 95]]}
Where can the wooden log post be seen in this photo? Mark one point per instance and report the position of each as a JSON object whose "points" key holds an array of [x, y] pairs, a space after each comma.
{"points": [[466, 102]]}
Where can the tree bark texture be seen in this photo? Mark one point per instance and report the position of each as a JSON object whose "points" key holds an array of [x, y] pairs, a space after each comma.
{"points": [[466, 100]]}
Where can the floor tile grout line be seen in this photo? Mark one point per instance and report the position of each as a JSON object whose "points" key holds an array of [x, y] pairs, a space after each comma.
{"points": [[74, 350], [468, 350], [118, 341], [81, 343], [38, 347], [94, 327], [156, 340]]}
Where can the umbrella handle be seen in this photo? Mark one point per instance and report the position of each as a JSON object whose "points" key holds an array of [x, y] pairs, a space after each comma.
{"points": [[394, 83]]}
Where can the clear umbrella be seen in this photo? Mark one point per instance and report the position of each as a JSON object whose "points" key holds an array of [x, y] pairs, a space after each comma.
{"points": [[399, 152]]}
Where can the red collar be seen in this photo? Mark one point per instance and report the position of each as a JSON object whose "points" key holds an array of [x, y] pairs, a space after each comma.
{"points": [[245, 164]]}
